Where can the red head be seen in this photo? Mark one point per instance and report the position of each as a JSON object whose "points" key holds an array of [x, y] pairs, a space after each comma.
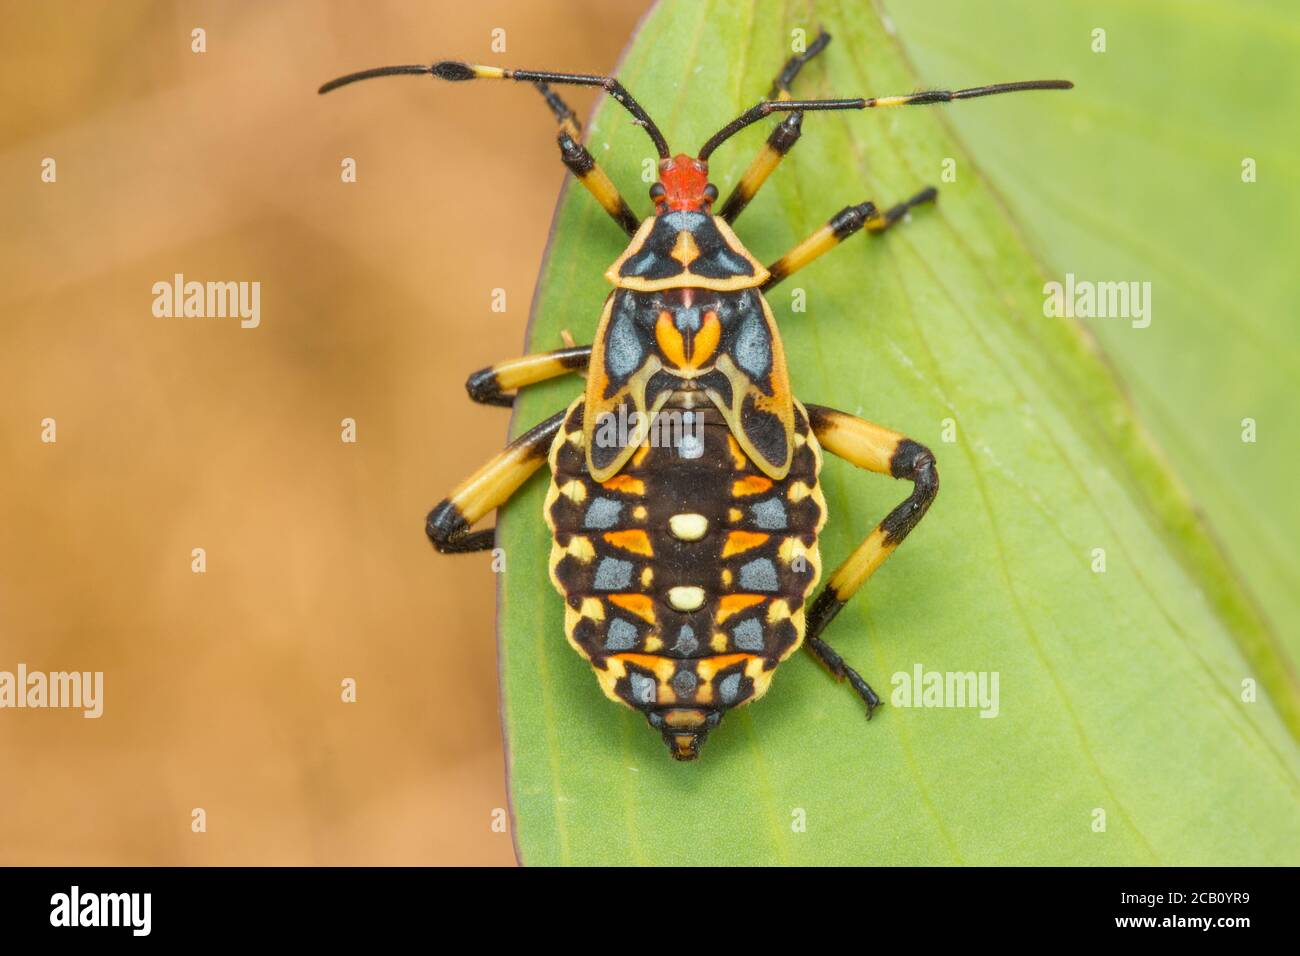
{"points": [[683, 185]]}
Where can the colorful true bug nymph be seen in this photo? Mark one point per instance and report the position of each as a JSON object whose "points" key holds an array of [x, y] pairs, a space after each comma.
{"points": [[686, 565]]}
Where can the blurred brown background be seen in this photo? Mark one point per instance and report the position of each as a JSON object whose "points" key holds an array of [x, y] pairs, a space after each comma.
{"points": [[222, 689]]}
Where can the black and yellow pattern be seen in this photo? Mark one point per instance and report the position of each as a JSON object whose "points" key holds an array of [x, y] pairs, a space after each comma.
{"points": [[684, 576], [685, 539]]}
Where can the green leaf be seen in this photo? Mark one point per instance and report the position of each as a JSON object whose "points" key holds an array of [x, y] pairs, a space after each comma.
{"points": [[1159, 128], [1120, 691]]}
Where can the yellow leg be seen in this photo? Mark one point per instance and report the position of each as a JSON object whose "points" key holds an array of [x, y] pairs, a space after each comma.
{"points": [[884, 452], [843, 224], [492, 385], [487, 489], [782, 139]]}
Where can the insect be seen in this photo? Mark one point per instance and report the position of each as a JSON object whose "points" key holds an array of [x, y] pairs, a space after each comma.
{"points": [[686, 564]]}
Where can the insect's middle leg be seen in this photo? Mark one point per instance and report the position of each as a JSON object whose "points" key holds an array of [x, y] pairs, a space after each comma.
{"points": [[493, 385], [448, 524], [782, 139], [843, 224], [884, 452]]}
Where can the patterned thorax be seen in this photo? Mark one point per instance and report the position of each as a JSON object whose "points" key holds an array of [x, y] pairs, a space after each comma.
{"points": [[687, 313], [684, 574]]}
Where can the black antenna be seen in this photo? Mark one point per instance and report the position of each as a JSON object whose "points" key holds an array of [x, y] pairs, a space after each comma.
{"points": [[767, 107], [455, 71]]}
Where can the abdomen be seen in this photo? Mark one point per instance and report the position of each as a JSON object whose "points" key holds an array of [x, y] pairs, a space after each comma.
{"points": [[684, 576]]}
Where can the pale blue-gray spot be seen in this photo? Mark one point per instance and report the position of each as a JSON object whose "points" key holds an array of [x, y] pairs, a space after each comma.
{"points": [[623, 350], [748, 635], [686, 642], [691, 442], [620, 635], [753, 349], [770, 514], [614, 575], [758, 575], [643, 688], [687, 320], [684, 683], [602, 513], [729, 688]]}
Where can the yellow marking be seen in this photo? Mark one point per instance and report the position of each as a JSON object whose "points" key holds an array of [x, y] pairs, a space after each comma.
{"points": [[647, 577], [581, 549], [575, 491], [737, 456], [853, 573], [633, 539], [764, 163], [614, 671], [734, 515], [735, 603], [719, 642], [688, 527], [495, 482], [684, 719], [592, 608], [862, 443], [706, 340], [750, 485], [661, 667], [799, 490], [670, 340], [892, 100], [639, 604], [686, 598], [877, 223], [778, 610], [639, 513], [821, 241], [685, 250], [626, 484], [762, 679], [708, 667], [726, 577], [487, 72], [601, 187], [653, 644], [687, 279], [640, 455], [792, 549], [574, 438], [738, 541], [527, 370]]}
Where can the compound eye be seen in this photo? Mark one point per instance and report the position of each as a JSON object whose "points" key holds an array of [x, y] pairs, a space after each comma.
{"points": [[711, 192], [657, 192]]}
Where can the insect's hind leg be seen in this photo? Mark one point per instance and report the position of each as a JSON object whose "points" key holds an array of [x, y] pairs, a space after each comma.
{"points": [[839, 227], [782, 138], [448, 524], [884, 452], [497, 384]]}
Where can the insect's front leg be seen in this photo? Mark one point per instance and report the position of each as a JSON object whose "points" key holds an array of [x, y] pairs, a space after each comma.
{"points": [[843, 224], [782, 138], [448, 524], [884, 452], [497, 384]]}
